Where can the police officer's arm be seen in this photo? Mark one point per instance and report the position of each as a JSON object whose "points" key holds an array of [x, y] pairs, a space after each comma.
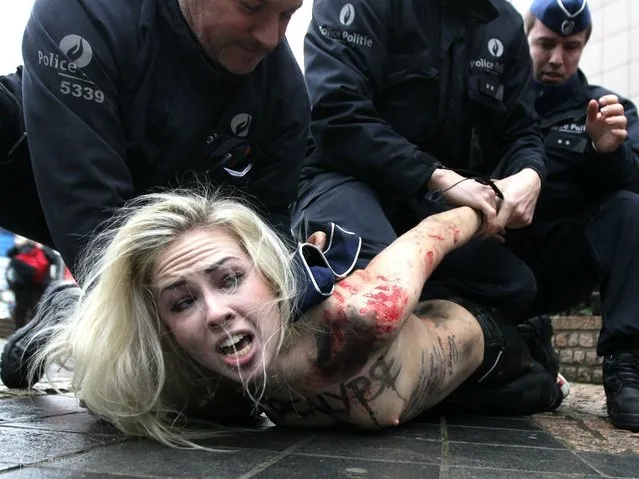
{"points": [[76, 140], [345, 51], [279, 161], [613, 154]]}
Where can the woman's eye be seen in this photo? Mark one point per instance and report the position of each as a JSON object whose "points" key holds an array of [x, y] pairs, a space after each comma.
{"points": [[182, 304], [232, 280]]}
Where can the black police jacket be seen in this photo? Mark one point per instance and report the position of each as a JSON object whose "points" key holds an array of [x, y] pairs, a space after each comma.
{"points": [[577, 174], [119, 99], [400, 87]]}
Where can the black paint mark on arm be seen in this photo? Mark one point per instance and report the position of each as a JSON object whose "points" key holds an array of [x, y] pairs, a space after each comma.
{"points": [[343, 349], [433, 311]]}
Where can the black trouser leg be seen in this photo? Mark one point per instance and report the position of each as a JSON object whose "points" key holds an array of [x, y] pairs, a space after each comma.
{"points": [[561, 259], [613, 234], [571, 256], [485, 272], [508, 382]]}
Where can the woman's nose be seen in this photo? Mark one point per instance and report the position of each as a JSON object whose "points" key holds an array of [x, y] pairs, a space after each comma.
{"points": [[218, 313]]}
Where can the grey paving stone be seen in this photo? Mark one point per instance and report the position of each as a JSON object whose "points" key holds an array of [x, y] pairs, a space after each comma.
{"points": [[516, 458], [615, 465], [27, 446], [427, 418], [269, 439], [145, 458], [475, 473], [386, 445], [324, 467], [493, 422], [81, 422], [39, 472], [417, 430], [512, 437], [25, 408]]}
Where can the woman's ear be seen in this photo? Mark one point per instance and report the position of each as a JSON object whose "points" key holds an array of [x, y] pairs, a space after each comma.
{"points": [[318, 239]]}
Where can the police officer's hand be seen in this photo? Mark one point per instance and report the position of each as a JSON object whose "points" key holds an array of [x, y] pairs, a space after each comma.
{"points": [[606, 126], [461, 191], [520, 192]]}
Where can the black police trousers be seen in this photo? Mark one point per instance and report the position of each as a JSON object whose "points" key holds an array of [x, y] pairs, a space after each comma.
{"points": [[482, 271], [571, 256]]}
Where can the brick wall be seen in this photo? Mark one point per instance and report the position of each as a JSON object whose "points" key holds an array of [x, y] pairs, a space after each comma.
{"points": [[575, 341]]}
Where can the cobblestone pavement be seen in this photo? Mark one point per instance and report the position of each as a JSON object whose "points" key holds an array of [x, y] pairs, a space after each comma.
{"points": [[44, 433]]}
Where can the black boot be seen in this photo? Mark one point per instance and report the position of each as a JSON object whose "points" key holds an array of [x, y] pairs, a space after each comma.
{"points": [[22, 346], [537, 334], [621, 383]]}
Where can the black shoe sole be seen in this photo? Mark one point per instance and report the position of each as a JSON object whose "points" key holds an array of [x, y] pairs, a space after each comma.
{"points": [[18, 377], [629, 422], [10, 377]]}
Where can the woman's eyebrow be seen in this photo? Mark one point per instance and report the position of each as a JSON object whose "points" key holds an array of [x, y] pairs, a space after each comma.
{"points": [[218, 264], [210, 269]]}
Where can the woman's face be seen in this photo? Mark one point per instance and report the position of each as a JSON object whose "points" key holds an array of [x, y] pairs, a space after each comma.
{"points": [[218, 307]]}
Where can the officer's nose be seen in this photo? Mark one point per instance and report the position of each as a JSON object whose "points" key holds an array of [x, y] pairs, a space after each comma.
{"points": [[269, 33], [557, 57]]}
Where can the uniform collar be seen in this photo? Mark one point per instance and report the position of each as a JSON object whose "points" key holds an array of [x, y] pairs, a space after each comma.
{"points": [[552, 97]]}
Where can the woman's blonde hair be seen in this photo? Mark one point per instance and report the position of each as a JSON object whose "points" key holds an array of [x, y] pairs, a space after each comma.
{"points": [[126, 366]]}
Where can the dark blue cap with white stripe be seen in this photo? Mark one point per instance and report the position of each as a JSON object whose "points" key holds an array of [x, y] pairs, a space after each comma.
{"points": [[564, 17]]}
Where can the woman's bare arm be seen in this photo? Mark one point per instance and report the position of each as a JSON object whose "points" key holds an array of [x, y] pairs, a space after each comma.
{"points": [[368, 309], [390, 286]]}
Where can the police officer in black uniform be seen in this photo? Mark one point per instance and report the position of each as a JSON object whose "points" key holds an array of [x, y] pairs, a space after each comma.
{"points": [[120, 97], [585, 232], [403, 92]]}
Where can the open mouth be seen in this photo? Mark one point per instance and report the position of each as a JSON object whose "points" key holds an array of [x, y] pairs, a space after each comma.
{"points": [[237, 348]]}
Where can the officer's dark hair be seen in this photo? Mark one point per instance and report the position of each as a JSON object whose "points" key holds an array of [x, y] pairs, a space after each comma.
{"points": [[529, 23]]}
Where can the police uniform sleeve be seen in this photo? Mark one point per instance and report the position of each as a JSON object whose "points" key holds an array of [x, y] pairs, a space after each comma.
{"points": [[281, 157], [76, 140], [345, 51], [516, 137], [618, 169]]}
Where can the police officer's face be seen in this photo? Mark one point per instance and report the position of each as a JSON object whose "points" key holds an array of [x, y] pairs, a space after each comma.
{"points": [[555, 57], [239, 33]]}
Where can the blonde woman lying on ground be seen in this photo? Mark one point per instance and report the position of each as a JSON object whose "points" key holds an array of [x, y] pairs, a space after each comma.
{"points": [[186, 288]]}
